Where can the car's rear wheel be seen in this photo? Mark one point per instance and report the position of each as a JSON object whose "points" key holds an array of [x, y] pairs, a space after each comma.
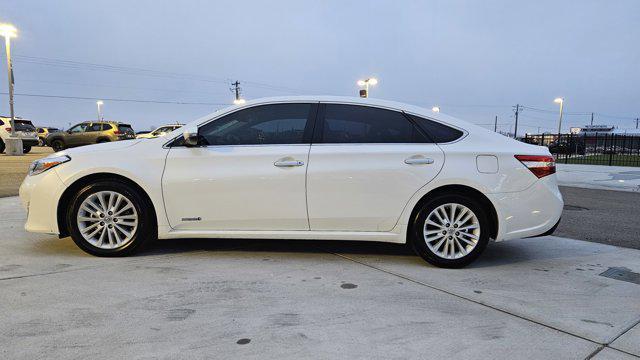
{"points": [[110, 218], [2, 146], [100, 141], [57, 145], [26, 149], [450, 231]]}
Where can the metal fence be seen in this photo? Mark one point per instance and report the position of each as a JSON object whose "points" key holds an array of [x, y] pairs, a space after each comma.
{"points": [[593, 149]]}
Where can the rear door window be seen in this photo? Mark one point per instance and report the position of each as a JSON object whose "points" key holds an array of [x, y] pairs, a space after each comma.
{"points": [[363, 124]]}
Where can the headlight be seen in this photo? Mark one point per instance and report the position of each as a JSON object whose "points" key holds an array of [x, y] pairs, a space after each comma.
{"points": [[42, 165]]}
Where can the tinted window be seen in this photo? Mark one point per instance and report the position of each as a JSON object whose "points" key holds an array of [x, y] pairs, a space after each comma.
{"points": [[106, 127], [78, 128], [40, 130], [268, 124], [124, 128], [437, 132], [361, 124], [94, 127]]}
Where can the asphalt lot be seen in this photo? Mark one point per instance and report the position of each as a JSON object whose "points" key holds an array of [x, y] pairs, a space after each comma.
{"points": [[603, 216], [14, 168], [542, 298]]}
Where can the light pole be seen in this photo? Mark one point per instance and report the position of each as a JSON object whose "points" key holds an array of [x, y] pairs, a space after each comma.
{"points": [[560, 101], [100, 103], [365, 83], [14, 145]]}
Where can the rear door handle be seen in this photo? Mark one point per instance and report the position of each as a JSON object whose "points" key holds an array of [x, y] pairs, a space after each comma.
{"points": [[288, 163], [418, 160]]}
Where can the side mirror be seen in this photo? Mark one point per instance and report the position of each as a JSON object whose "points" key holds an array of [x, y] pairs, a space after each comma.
{"points": [[191, 137]]}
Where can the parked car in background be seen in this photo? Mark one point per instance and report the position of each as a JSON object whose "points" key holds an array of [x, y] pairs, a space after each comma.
{"points": [[161, 131], [141, 132], [90, 132], [24, 130], [43, 132], [327, 168]]}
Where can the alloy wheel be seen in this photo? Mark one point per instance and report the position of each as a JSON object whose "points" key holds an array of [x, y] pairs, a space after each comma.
{"points": [[451, 231], [107, 220]]}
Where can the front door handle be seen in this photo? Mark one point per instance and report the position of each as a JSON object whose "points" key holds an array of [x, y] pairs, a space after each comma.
{"points": [[418, 160], [288, 163]]}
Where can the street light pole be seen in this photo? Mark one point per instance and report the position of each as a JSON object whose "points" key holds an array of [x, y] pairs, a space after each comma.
{"points": [[99, 103], [366, 83], [9, 31], [561, 102], [13, 143]]}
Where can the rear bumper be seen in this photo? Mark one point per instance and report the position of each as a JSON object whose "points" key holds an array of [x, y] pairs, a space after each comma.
{"points": [[532, 212]]}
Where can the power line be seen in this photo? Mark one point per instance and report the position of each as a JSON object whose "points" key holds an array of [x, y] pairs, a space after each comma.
{"points": [[77, 65], [117, 99]]}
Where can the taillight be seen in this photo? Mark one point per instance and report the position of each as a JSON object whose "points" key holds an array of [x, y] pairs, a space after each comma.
{"points": [[8, 129], [117, 132], [540, 165]]}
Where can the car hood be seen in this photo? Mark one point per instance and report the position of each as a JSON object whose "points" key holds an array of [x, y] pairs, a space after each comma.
{"points": [[98, 148]]}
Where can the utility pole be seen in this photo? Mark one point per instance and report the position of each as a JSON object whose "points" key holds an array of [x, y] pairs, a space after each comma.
{"points": [[495, 124], [517, 109], [637, 119], [591, 119], [237, 90]]}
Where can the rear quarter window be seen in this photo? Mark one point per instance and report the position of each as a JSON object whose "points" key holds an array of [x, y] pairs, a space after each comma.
{"points": [[438, 132], [125, 128]]}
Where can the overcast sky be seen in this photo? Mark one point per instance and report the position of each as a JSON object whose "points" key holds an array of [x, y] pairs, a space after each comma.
{"points": [[475, 59]]}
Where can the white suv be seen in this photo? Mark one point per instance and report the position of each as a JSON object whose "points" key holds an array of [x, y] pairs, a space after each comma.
{"points": [[24, 130]]}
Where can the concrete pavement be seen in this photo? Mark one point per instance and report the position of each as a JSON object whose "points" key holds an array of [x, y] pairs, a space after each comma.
{"points": [[621, 178], [532, 298]]}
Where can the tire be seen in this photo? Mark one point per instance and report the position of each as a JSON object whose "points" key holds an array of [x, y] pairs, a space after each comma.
{"points": [[2, 146], [100, 141], [26, 149], [106, 235], [464, 246], [58, 145]]}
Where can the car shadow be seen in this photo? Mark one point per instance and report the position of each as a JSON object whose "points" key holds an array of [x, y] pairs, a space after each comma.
{"points": [[496, 254]]}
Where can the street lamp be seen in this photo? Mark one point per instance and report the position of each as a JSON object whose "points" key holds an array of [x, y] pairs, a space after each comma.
{"points": [[435, 109], [365, 83], [100, 103], [14, 145], [560, 101], [239, 101]]}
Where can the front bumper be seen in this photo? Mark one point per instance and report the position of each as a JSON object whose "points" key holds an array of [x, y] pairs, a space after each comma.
{"points": [[40, 195], [528, 213]]}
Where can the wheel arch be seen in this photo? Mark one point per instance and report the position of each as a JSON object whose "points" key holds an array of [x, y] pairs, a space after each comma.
{"points": [[71, 190], [458, 189]]}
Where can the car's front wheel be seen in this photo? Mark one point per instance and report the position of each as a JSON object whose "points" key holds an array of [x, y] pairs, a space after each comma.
{"points": [[450, 231], [110, 218]]}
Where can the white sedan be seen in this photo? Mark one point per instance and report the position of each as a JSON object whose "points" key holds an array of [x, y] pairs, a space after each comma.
{"points": [[324, 168]]}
